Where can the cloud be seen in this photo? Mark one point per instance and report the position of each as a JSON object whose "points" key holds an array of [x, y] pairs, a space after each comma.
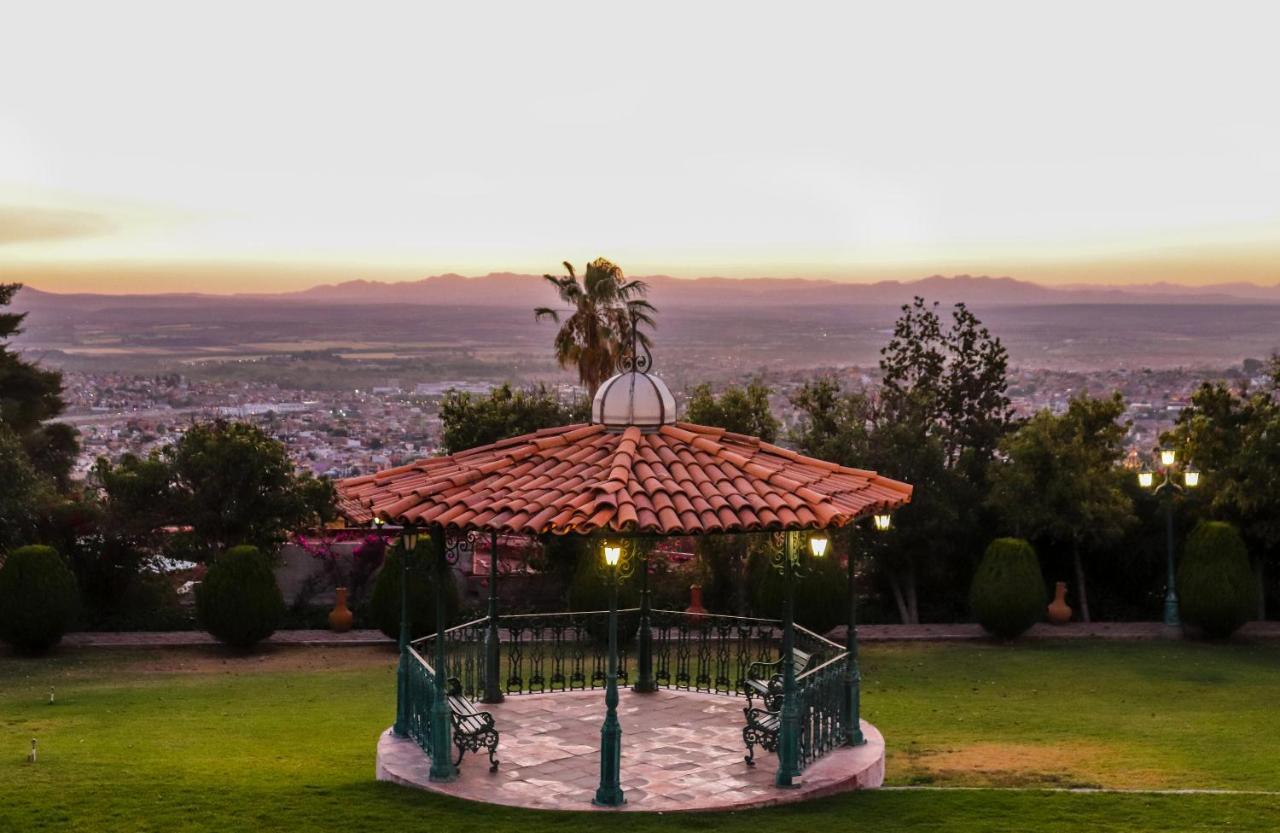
{"points": [[27, 224]]}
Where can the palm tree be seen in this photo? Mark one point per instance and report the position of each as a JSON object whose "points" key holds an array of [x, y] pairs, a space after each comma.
{"points": [[597, 330]]}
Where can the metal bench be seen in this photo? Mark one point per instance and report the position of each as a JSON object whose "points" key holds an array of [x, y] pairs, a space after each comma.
{"points": [[472, 729], [764, 680]]}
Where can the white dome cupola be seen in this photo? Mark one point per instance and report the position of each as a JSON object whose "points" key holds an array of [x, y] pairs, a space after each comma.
{"points": [[633, 397]]}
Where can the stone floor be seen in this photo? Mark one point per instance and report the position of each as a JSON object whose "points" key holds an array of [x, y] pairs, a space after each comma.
{"points": [[681, 751]]}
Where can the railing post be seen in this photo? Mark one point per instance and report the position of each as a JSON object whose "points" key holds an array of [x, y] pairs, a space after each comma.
{"points": [[853, 674], [644, 661], [442, 768], [402, 671], [492, 664], [789, 730]]}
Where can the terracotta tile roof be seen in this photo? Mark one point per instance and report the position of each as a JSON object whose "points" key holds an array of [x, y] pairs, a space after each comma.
{"points": [[353, 510], [680, 479]]}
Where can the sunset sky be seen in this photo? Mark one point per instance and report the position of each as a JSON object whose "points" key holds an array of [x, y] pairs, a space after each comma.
{"points": [[261, 146]]}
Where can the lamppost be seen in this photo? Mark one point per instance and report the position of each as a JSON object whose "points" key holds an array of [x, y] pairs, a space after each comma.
{"points": [[617, 568], [492, 663], [786, 559], [1190, 479], [853, 673], [408, 542]]}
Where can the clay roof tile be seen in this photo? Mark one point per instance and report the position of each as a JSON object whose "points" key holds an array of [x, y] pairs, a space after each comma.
{"points": [[682, 478]]}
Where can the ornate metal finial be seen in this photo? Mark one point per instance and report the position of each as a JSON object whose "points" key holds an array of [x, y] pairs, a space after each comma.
{"points": [[633, 359]]}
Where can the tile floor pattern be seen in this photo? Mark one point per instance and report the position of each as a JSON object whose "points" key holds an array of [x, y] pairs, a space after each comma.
{"points": [[681, 751]]}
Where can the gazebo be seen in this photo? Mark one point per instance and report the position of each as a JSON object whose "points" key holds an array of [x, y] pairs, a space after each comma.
{"points": [[633, 473]]}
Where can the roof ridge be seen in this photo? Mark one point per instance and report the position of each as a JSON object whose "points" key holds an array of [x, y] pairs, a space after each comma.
{"points": [[621, 471]]}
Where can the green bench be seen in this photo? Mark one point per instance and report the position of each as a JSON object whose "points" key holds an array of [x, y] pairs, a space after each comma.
{"points": [[764, 680], [473, 730]]}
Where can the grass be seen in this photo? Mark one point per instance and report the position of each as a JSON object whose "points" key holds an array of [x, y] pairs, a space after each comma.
{"points": [[196, 741]]}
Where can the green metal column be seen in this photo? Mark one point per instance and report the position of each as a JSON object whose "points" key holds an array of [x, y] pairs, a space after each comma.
{"points": [[853, 674], [789, 730], [1170, 590], [609, 793], [492, 644], [442, 768], [644, 677], [402, 670]]}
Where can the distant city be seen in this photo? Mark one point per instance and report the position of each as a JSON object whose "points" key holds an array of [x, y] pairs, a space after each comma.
{"points": [[338, 433]]}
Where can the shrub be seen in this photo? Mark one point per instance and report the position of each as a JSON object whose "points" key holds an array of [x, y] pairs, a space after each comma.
{"points": [[1008, 592], [384, 603], [39, 599], [238, 601], [821, 595], [1217, 590]]}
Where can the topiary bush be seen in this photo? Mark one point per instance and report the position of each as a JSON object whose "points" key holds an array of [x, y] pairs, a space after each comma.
{"points": [[39, 598], [1217, 591], [239, 602], [384, 603], [1008, 593]]}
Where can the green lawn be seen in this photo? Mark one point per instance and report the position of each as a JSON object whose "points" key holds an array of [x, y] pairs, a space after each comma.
{"points": [[173, 741]]}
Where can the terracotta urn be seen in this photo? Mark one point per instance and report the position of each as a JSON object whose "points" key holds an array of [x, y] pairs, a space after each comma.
{"points": [[340, 617], [1059, 610], [695, 609]]}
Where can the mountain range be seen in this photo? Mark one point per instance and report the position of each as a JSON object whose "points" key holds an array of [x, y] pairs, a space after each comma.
{"points": [[507, 289]]}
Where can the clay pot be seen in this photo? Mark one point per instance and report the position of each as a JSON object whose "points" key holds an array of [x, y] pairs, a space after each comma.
{"points": [[340, 617], [695, 609], [1059, 610]]}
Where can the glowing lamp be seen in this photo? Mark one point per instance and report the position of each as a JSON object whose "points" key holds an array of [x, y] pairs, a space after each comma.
{"points": [[882, 522], [1167, 457], [1146, 478], [1191, 477], [818, 545], [409, 538], [612, 554]]}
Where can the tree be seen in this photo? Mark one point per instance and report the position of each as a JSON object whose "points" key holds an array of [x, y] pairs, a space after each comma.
{"points": [[228, 481], [30, 396], [235, 485], [952, 382], [1235, 438], [24, 492], [834, 425], [1059, 481], [604, 309], [854, 429], [741, 410], [935, 422], [468, 421]]}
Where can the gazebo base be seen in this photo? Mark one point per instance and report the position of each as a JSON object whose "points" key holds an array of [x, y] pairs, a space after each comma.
{"points": [[680, 751]]}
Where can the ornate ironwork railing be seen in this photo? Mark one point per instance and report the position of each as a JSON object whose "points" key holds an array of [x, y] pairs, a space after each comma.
{"points": [[823, 694], [820, 647], [563, 651], [463, 654], [710, 653], [419, 695]]}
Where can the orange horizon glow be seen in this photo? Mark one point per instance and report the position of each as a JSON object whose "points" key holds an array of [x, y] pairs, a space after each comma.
{"points": [[840, 141]]}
